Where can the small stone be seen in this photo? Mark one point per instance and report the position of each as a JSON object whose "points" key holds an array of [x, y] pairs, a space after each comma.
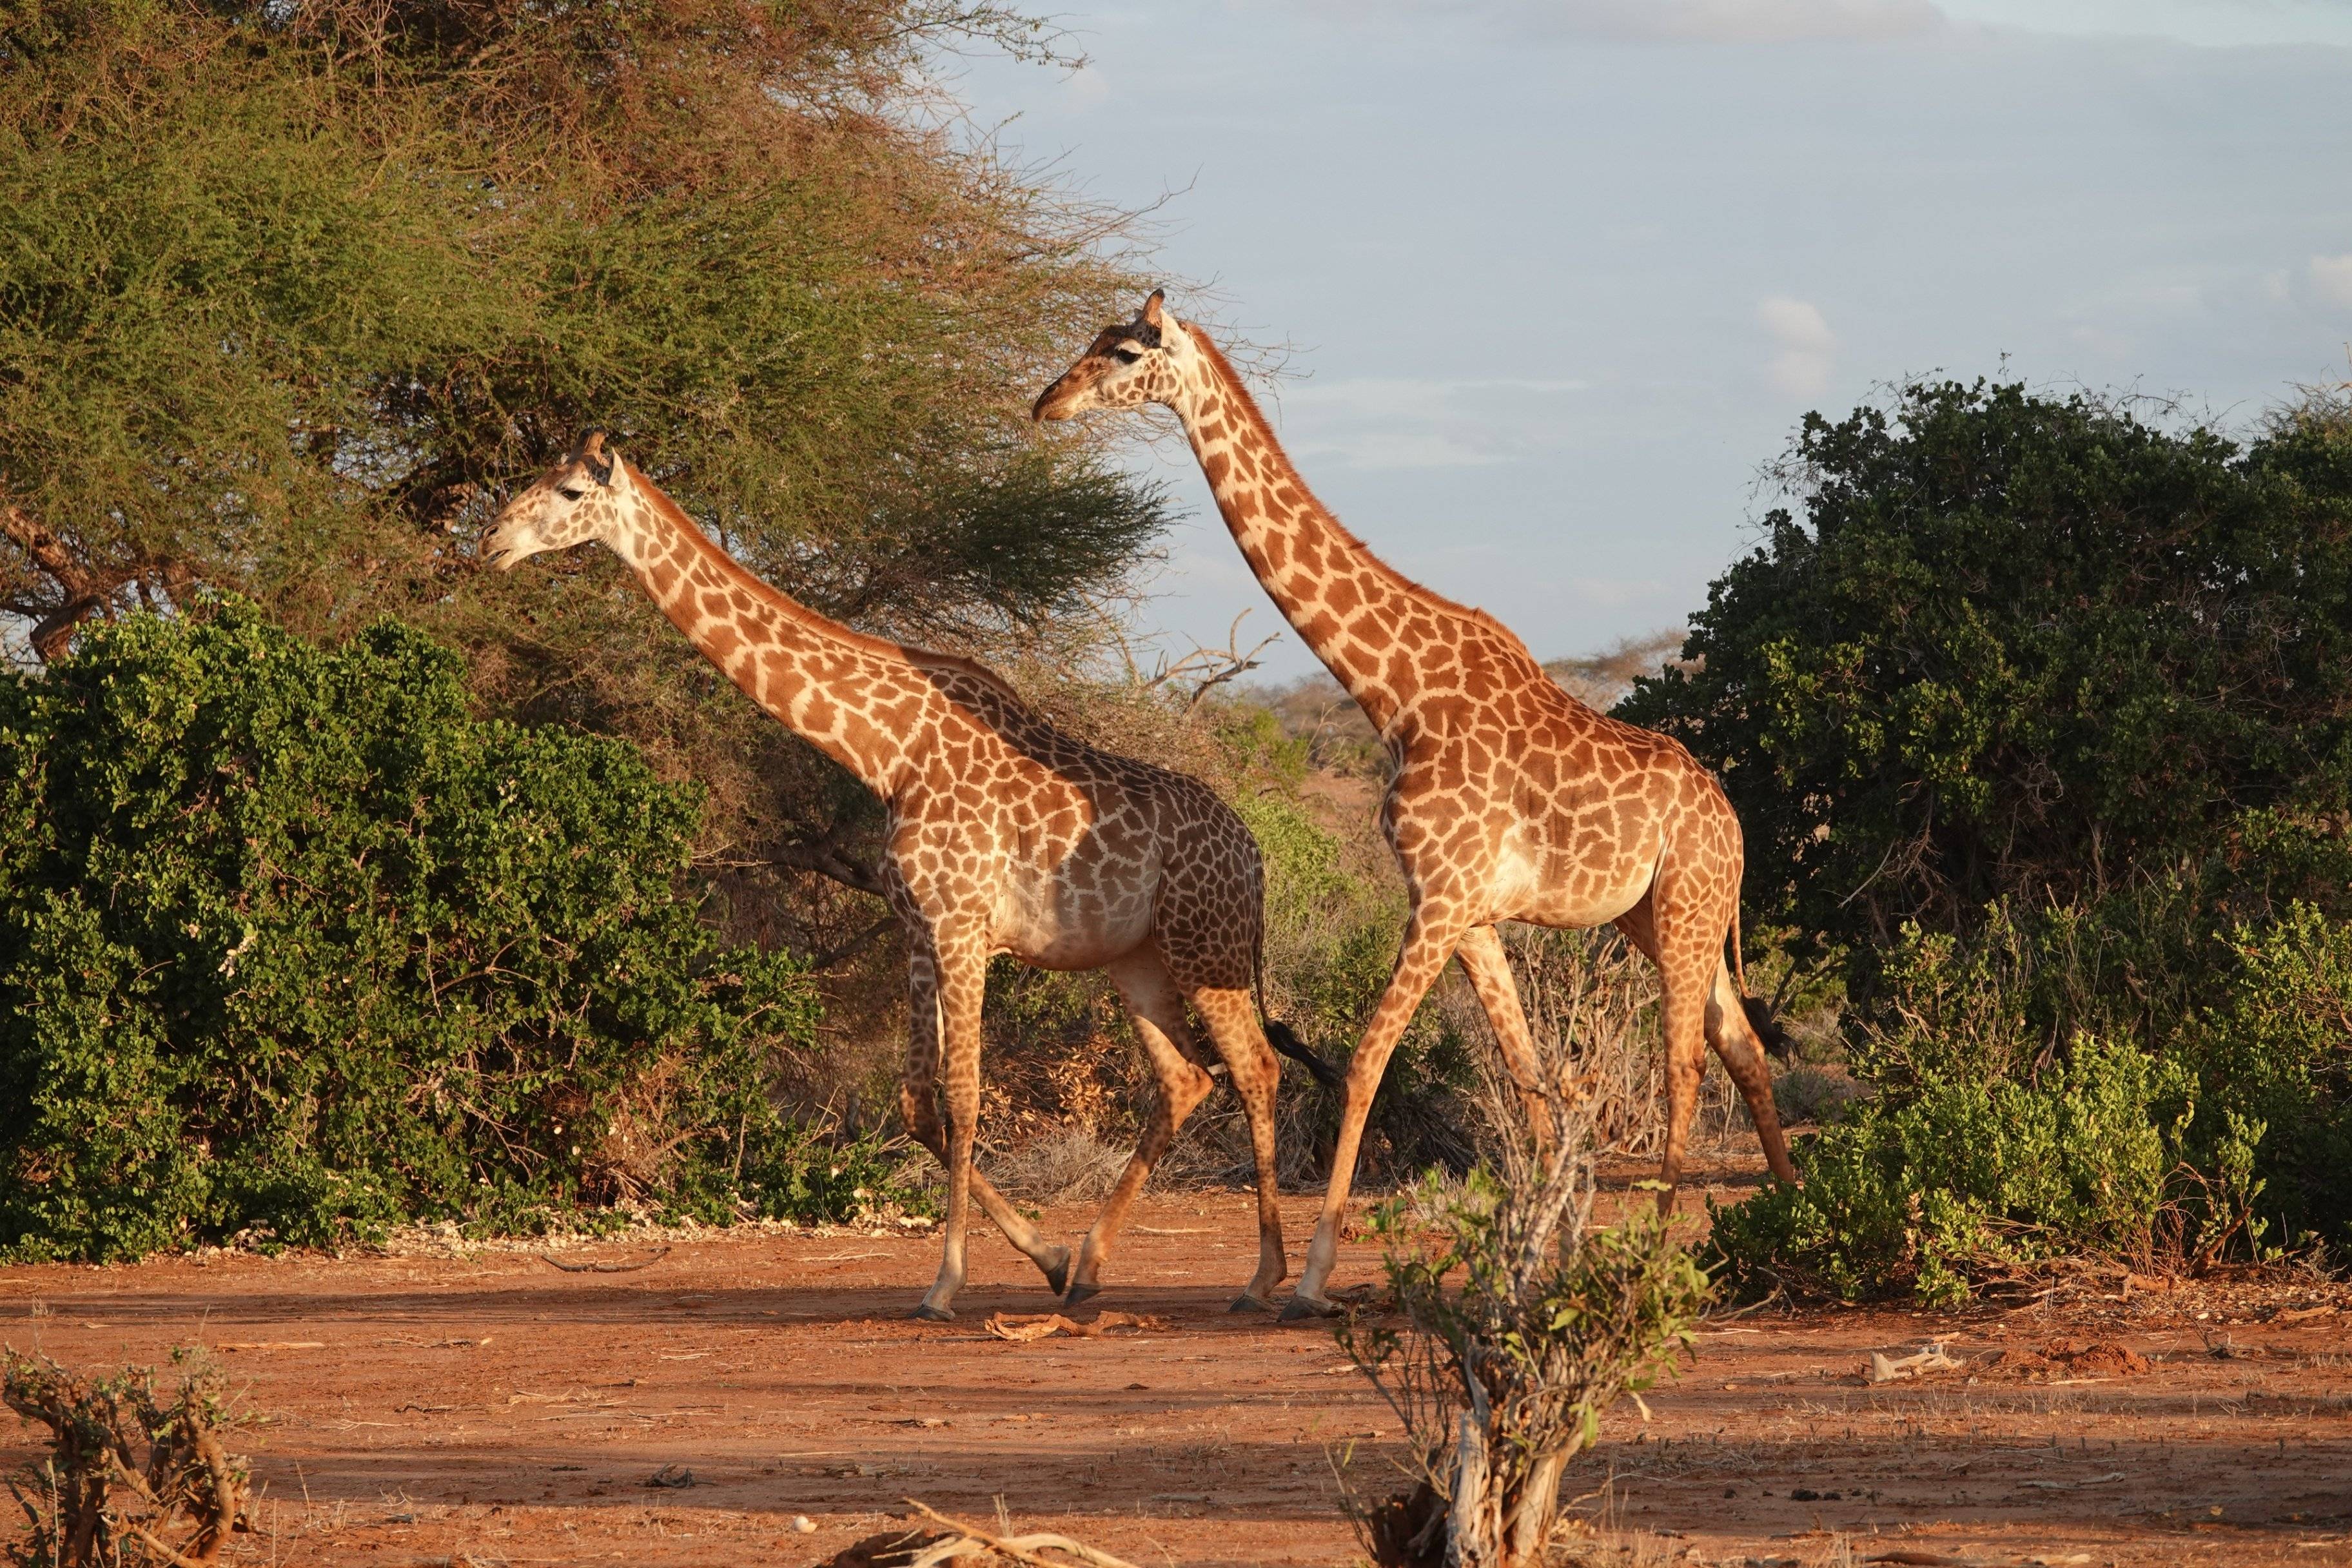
{"points": [[803, 1525]]}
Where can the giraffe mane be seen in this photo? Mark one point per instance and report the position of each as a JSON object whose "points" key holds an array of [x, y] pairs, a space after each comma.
{"points": [[794, 610], [1239, 389]]}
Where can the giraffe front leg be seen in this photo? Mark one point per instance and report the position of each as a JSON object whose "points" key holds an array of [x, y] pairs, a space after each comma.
{"points": [[1430, 938], [918, 1108], [962, 978]]}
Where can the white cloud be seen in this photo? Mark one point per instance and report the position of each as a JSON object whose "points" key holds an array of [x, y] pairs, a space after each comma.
{"points": [[1085, 88], [1685, 21], [2331, 279], [1398, 422], [1801, 368]]}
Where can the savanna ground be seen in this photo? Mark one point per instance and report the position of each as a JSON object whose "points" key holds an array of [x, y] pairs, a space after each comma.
{"points": [[455, 1404]]}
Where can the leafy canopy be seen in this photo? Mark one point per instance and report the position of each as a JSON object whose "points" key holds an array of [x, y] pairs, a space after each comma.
{"points": [[288, 290], [2034, 647]]}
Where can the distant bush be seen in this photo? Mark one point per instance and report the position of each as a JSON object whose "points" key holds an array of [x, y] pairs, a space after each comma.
{"points": [[290, 944]]}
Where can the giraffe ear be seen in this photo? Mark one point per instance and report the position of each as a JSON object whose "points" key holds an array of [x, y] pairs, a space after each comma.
{"points": [[1153, 316], [598, 460]]}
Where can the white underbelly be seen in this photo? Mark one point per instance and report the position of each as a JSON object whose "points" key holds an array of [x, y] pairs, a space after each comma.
{"points": [[1055, 923], [1546, 890]]}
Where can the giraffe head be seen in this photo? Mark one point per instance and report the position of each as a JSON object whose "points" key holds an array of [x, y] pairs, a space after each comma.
{"points": [[584, 497], [1130, 363]]}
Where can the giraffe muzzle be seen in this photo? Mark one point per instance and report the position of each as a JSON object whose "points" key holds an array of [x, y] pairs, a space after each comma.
{"points": [[1047, 407]]}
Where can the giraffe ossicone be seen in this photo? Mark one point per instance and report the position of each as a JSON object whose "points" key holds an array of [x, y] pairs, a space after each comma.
{"points": [[1004, 835], [1509, 800]]}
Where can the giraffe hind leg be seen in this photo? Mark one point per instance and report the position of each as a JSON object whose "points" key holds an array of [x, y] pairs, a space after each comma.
{"points": [[1232, 1020], [1158, 1012], [1736, 1042]]}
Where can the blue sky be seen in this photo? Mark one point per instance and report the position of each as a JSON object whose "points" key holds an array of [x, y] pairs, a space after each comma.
{"points": [[1556, 278]]}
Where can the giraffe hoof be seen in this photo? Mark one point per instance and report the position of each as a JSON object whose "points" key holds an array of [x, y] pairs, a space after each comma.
{"points": [[932, 1314], [1246, 1303], [1080, 1291], [1301, 1307], [1058, 1273]]}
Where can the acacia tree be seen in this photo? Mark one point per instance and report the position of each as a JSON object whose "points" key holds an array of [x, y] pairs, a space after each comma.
{"points": [[290, 288], [2030, 646]]}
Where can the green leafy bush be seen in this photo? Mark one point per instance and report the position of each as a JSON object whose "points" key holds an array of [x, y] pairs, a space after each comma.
{"points": [[290, 943], [2273, 1072], [2028, 647], [1962, 1175]]}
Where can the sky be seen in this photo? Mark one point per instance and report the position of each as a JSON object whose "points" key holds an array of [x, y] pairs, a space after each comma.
{"points": [[1553, 281]]}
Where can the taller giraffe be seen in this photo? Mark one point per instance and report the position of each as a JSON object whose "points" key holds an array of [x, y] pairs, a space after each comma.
{"points": [[1004, 835], [1511, 800]]}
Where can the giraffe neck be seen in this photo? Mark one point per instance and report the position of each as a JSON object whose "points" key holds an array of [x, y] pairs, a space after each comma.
{"points": [[1346, 603], [844, 693]]}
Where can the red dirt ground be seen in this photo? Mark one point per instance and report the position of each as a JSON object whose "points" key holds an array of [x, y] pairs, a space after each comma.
{"points": [[483, 1407]]}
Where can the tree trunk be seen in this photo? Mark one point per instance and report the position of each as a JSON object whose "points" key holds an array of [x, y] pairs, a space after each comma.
{"points": [[1471, 1540], [1538, 1507]]}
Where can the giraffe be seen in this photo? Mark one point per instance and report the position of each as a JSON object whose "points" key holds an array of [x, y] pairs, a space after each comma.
{"points": [[1005, 835], [1510, 799]]}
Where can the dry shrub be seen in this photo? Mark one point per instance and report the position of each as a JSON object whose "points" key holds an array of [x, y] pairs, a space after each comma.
{"points": [[129, 1481], [1522, 1321], [1070, 1164], [1591, 994]]}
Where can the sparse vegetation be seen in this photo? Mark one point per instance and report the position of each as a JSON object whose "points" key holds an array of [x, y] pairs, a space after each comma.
{"points": [[129, 1480], [1523, 1320]]}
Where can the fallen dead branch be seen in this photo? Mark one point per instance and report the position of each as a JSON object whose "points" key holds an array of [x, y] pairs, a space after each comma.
{"points": [[958, 1541], [1929, 1358], [658, 1254], [128, 1483], [1023, 1327]]}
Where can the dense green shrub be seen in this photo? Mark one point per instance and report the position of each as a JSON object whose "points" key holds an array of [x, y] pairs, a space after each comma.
{"points": [[2271, 1057], [2241, 1039], [2039, 722], [1963, 1175], [289, 942], [2028, 647]]}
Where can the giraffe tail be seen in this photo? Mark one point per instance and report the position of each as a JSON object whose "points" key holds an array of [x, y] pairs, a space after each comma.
{"points": [[1769, 1032], [1282, 1036]]}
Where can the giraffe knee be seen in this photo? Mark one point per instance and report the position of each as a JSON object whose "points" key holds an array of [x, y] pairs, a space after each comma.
{"points": [[921, 1117], [1189, 1091]]}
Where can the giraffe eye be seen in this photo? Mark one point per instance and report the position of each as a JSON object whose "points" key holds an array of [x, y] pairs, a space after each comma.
{"points": [[568, 493], [1126, 356]]}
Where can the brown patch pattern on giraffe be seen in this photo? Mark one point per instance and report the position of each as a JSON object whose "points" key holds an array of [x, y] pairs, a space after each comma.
{"points": [[1511, 800], [1005, 835]]}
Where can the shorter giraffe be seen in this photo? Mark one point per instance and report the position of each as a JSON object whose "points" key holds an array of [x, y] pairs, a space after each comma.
{"points": [[1004, 835]]}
